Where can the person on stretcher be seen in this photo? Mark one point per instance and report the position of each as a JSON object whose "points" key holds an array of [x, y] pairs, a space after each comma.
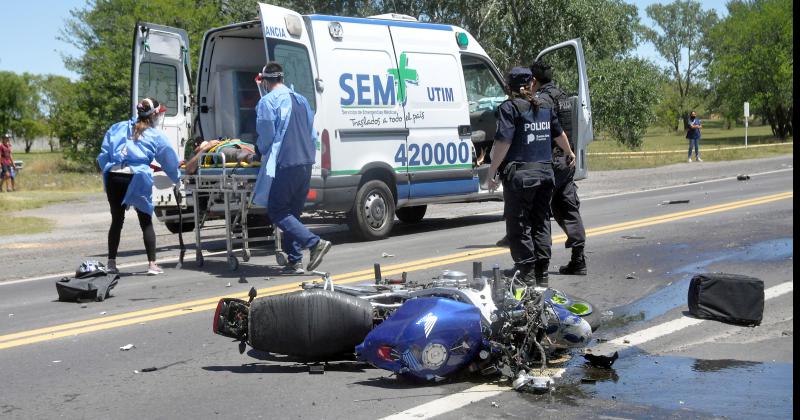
{"points": [[235, 151]]}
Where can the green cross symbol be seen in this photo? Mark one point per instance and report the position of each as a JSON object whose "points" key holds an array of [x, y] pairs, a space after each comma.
{"points": [[402, 75]]}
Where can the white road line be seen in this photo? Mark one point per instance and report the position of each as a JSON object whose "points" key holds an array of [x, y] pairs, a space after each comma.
{"points": [[461, 399]]}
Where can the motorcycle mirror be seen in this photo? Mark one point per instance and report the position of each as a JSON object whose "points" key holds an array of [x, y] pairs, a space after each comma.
{"points": [[252, 293], [477, 269]]}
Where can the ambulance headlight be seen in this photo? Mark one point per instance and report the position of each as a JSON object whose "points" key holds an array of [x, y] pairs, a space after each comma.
{"points": [[433, 356], [293, 25], [335, 29]]}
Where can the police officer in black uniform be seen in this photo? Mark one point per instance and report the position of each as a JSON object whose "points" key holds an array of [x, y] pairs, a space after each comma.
{"points": [[522, 157], [565, 204]]}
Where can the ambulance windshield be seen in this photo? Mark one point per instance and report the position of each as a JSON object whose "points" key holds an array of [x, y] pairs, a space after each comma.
{"points": [[484, 91]]}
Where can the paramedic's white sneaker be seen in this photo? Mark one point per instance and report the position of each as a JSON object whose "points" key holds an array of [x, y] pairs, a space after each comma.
{"points": [[690, 160], [698, 159], [153, 270], [111, 267]]}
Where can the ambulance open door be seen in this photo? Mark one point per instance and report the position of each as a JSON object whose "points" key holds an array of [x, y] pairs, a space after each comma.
{"points": [[569, 69]]}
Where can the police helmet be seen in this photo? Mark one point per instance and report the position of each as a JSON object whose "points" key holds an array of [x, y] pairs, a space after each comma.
{"points": [[90, 268], [518, 77]]}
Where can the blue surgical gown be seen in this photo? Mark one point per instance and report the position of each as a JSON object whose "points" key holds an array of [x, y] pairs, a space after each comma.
{"points": [[119, 149], [272, 119]]}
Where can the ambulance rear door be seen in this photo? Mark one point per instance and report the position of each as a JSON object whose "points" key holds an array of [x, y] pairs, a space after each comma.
{"points": [[430, 84], [569, 68], [288, 41], [160, 70]]}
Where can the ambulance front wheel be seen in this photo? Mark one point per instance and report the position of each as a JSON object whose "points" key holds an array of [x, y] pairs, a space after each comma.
{"points": [[372, 216]]}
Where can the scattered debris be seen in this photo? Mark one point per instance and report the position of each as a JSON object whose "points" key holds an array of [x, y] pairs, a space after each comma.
{"points": [[631, 276], [103, 313], [786, 333], [56, 361], [742, 177], [150, 369], [494, 404], [588, 381], [153, 286], [385, 255], [600, 361], [680, 402], [10, 315], [228, 285], [632, 237], [649, 270], [83, 305], [663, 203], [626, 341], [127, 347]]}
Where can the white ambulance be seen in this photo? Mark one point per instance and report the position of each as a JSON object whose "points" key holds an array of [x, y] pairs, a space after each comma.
{"points": [[404, 109]]}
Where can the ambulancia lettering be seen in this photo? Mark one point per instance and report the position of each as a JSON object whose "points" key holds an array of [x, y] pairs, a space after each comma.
{"points": [[275, 32]]}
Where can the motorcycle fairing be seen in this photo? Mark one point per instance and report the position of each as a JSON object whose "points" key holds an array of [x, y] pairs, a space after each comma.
{"points": [[427, 337]]}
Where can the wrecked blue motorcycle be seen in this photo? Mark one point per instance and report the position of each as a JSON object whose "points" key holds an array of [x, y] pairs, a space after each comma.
{"points": [[427, 330]]}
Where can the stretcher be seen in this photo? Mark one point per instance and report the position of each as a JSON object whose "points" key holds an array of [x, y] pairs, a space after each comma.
{"points": [[226, 189]]}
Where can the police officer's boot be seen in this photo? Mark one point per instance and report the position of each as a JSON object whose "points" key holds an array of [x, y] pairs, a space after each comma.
{"points": [[576, 265], [540, 273]]}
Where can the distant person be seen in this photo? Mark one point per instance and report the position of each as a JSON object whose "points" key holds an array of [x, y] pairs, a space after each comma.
{"points": [[7, 173], [286, 141], [693, 134], [127, 151]]}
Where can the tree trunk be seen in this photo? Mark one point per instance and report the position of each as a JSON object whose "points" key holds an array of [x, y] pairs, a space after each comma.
{"points": [[28, 145]]}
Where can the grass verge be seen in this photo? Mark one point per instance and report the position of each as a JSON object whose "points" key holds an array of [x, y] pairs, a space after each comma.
{"points": [[714, 137], [25, 225], [46, 178]]}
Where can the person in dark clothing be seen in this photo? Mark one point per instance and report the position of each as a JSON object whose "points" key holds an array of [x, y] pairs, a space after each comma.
{"points": [[523, 148], [565, 204], [286, 141]]}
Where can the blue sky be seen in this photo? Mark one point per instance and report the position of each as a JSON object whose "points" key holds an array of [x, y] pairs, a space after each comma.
{"points": [[29, 30]]}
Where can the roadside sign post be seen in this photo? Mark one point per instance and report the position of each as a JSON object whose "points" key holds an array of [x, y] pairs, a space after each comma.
{"points": [[746, 118]]}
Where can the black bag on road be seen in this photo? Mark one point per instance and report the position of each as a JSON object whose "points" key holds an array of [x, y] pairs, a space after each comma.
{"points": [[730, 298], [72, 289]]}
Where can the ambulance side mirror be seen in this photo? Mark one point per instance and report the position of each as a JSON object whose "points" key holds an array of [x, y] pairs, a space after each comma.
{"points": [[320, 85]]}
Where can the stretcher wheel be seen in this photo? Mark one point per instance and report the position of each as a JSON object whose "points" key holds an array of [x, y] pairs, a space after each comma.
{"points": [[199, 258], [281, 258], [233, 263]]}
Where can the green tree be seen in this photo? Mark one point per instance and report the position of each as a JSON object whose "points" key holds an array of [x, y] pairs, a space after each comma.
{"points": [[103, 31], [752, 50], [679, 37], [624, 93], [19, 107]]}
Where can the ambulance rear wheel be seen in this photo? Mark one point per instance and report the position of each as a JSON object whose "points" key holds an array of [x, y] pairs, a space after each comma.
{"points": [[413, 214], [372, 216]]}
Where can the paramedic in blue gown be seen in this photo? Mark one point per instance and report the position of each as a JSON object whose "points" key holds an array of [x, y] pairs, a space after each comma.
{"points": [[127, 151], [522, 157], [286, 141]]}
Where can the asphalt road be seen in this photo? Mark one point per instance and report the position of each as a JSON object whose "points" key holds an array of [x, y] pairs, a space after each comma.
{"points": [[63, 360]]}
